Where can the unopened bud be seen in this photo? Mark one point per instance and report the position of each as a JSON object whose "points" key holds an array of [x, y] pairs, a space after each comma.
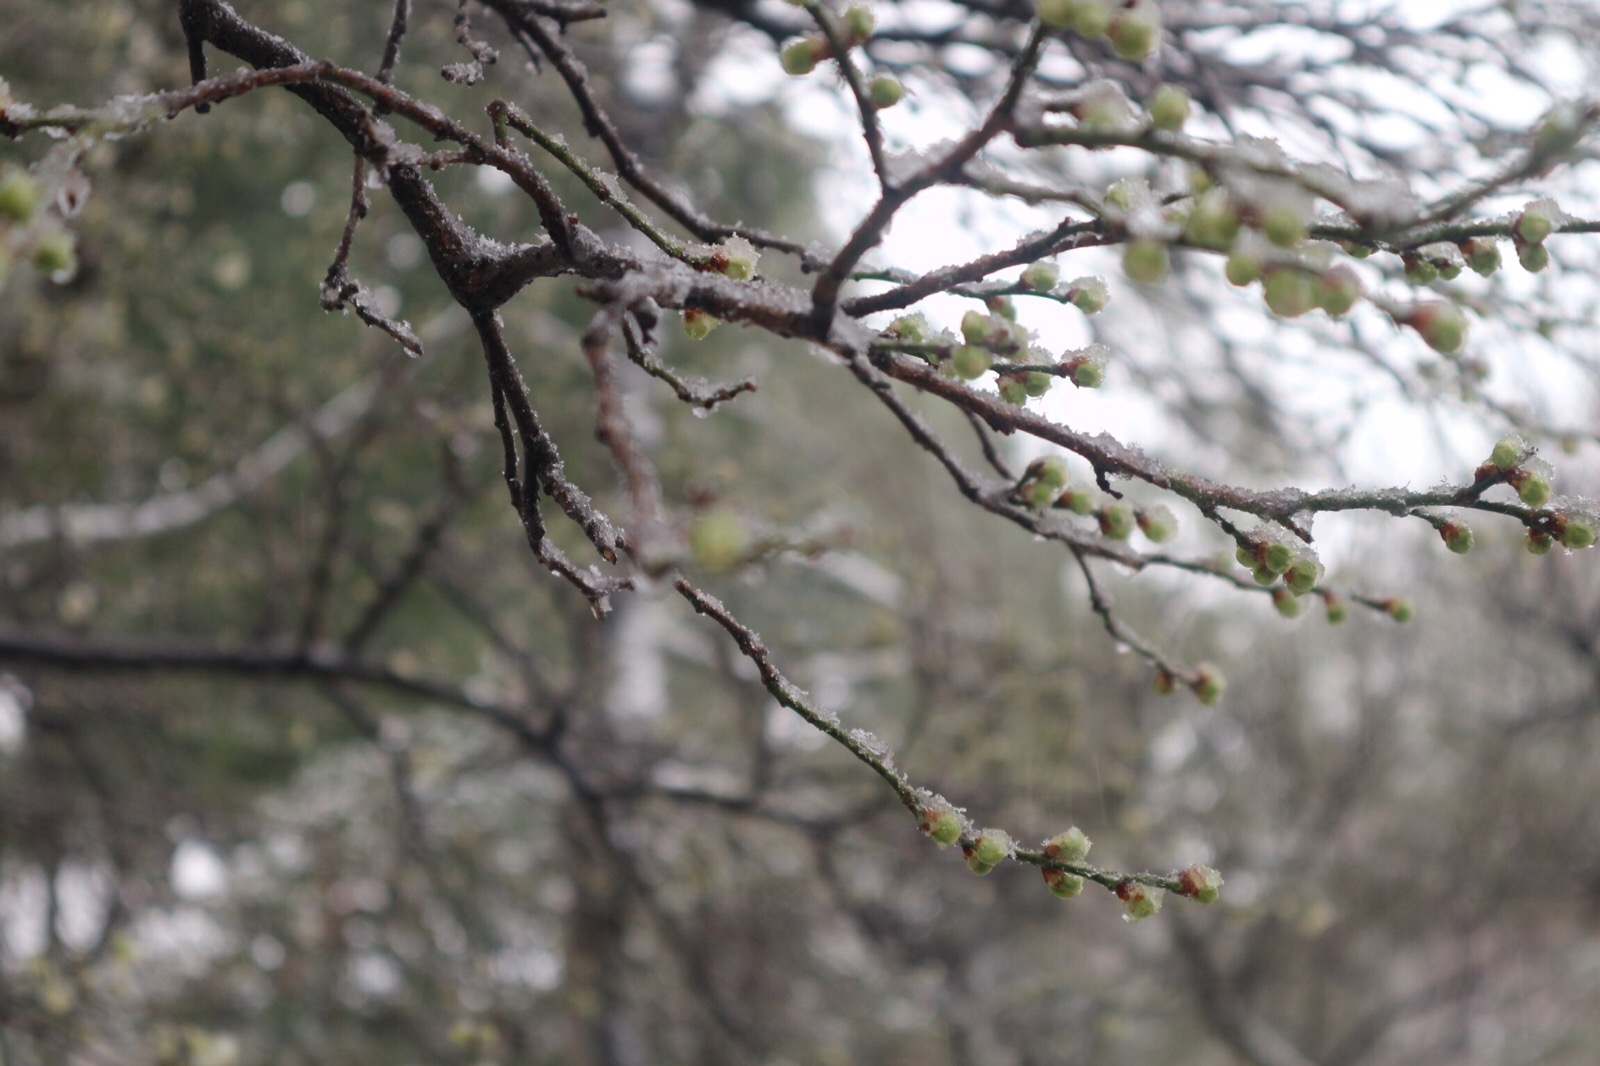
{"points": [[1337, 609], [1538, 220], [1136, 33], [1040, 277], [1400, 610], [1089, 295], [1532, 479], [19, 195], [1146, 262], [1242, 268], [1457, 537], [1062, 884], [1483, 254], [1139, 901], [697, 325], [1533, 257], [1208, 684], [1201, 884], [943, 823], [801, 57], [1072, 846], [1539, 542], [1283, 225], [1116, 521], [1169, 108], [858, 23], [1441, 324], [1287, 292], [1576, 531], [1508, 451], [1158, 523], [885, 91], [1287, 603], [1336, 291], [1078, 500], [970, 361]]}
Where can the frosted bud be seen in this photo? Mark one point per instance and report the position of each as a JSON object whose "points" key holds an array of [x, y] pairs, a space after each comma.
{"points": [[1072, 846], [1201, 884], [1089, 295], [1139, 901], [1158, 523]]}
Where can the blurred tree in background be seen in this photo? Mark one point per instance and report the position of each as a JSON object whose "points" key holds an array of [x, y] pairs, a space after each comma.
{"points": [[315, 750]]}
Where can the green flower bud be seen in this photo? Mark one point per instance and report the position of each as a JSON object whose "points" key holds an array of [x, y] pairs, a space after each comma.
{"points": [[1037, 383], [1483, 254], [1532, 480], [1302, 575], [1040, 277], [1169, 108], [19, 195], [1136, 33], [1014, 392], [1246, 554], [1071, 846], [1116, 521], [1419, 271], [1400, 610], [1158, 523], [1089, 295], [1049, 470], [1263, 577], [1539, 542], [801, 57], [55, 256], [1208, 684], [1287, 292], [1508, 452], [1457, 537], [1078, 500], [1201, 884], [1000, 307], [992, 847], [1337, 609], [1534, 490], [912, 327], [1441, 324], [1062, 884], [1538, 221], [697, 325], [1336, 291], [736, 258], [971, 361], [1533, 257], [1139, 901], [1213, 223], [858, 23], [1091, 18], [719, 540], [977, 328], [885, 91], [943, 823], [1146, 262], [1356, 250], [1278, 556], [1287, 603], [1576, 531], [1089, 374], [1242, 268], [1057, 13], [982, 869], [1283, 226]]}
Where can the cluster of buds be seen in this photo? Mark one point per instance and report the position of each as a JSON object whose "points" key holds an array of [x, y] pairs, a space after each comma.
{"points": [[1042, 482], [1538, 220], [1087, 294], [1270, 559], [1512, 459], [856, 25], [1070, 847], [1132, 28], [1431, 262], [43, 242]]}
